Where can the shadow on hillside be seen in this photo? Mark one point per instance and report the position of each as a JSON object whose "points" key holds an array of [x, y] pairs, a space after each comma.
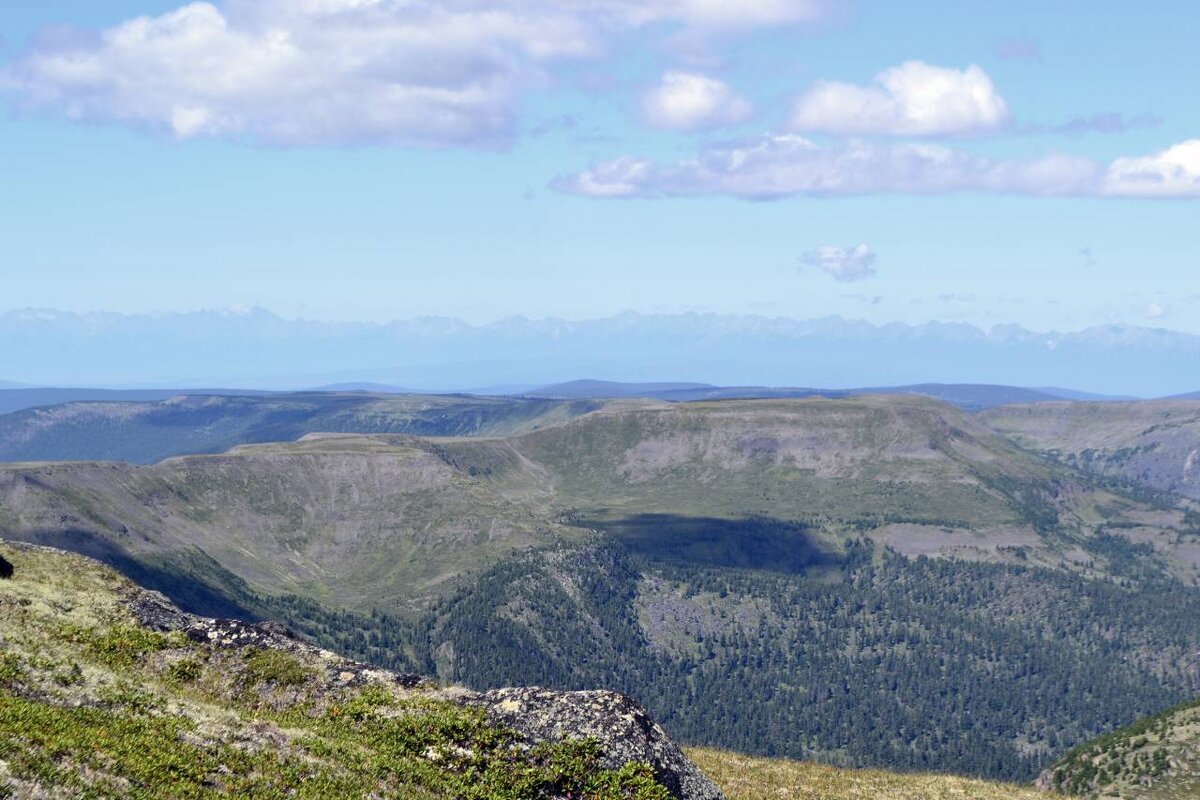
{"points": [[190, 578], [749, 543]]}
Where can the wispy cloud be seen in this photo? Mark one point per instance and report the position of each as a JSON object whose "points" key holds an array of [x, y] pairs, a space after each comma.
{"points": [[777, 166], [1019, 48], [1101, 122], [912, 99]]}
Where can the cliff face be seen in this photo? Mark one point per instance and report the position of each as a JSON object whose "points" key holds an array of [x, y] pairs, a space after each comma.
{"points": [[108, 689]]}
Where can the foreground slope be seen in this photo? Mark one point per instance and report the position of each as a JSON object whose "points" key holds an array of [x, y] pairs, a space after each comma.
{"points": [[1154, 443], [109, 691]]}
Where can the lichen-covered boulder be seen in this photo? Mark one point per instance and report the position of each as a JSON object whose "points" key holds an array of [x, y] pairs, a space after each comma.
{"points": [[622, 727]]}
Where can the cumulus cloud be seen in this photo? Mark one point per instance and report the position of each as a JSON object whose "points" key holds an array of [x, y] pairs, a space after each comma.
{"points": [[1174, 172], [689, 101], [912, 99], [782, 165], [313, 72], [776, 166], [843, 263]]}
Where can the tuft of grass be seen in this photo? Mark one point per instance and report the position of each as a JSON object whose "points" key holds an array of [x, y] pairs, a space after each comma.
{"points": [[276, 667]]}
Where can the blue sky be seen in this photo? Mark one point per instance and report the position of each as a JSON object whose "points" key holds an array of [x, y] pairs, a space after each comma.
{"points": [[359, 159]]}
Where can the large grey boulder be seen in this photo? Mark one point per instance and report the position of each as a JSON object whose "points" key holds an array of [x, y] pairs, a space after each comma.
{"points": [[625, 732]]}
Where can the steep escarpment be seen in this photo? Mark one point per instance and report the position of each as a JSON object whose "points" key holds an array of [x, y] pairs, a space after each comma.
{"points": [[110, 691], [913, 474], [1154, 444]]}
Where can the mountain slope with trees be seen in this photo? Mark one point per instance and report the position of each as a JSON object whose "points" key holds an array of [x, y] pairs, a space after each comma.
{"points": [[862, 581]]}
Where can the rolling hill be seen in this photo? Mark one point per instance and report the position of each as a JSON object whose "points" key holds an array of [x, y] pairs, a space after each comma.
{"points": [[969, 396], [147, 426], [148, 431]]}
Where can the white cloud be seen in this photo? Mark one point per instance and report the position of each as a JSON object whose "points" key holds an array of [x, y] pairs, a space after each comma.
{"points": [[313, 72], [717, 14], [1156, 310], [689, 101], [776, 166], [621, 177], [912, 99], [843, 263], [1174, 172]]}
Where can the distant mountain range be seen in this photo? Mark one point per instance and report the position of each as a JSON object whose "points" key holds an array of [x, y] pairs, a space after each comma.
{"points": [[256, 348]]}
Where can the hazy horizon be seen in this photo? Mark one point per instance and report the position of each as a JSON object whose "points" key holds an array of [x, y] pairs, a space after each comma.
{"points": [[253, 348]]}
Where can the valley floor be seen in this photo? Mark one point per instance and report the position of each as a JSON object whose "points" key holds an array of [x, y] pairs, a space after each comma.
{"points": [[748, 778]]}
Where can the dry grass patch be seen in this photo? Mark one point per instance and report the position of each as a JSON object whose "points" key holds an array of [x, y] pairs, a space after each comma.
{"points": [[746, 778]]}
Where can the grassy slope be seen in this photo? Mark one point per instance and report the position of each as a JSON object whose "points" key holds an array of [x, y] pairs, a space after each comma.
{"points": [[92, 704], [1155, 758], [1156, 443], [746, 778], [351, 521]]}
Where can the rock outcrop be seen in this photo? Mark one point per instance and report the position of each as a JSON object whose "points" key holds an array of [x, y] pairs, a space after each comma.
{"points": [[622, 727]]}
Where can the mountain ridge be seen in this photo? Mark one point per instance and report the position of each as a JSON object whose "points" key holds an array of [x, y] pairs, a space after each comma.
{"points": [[239, 347]]}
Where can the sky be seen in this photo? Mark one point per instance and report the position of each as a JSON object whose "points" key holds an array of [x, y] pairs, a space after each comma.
{"points": [[1022, 162]]}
